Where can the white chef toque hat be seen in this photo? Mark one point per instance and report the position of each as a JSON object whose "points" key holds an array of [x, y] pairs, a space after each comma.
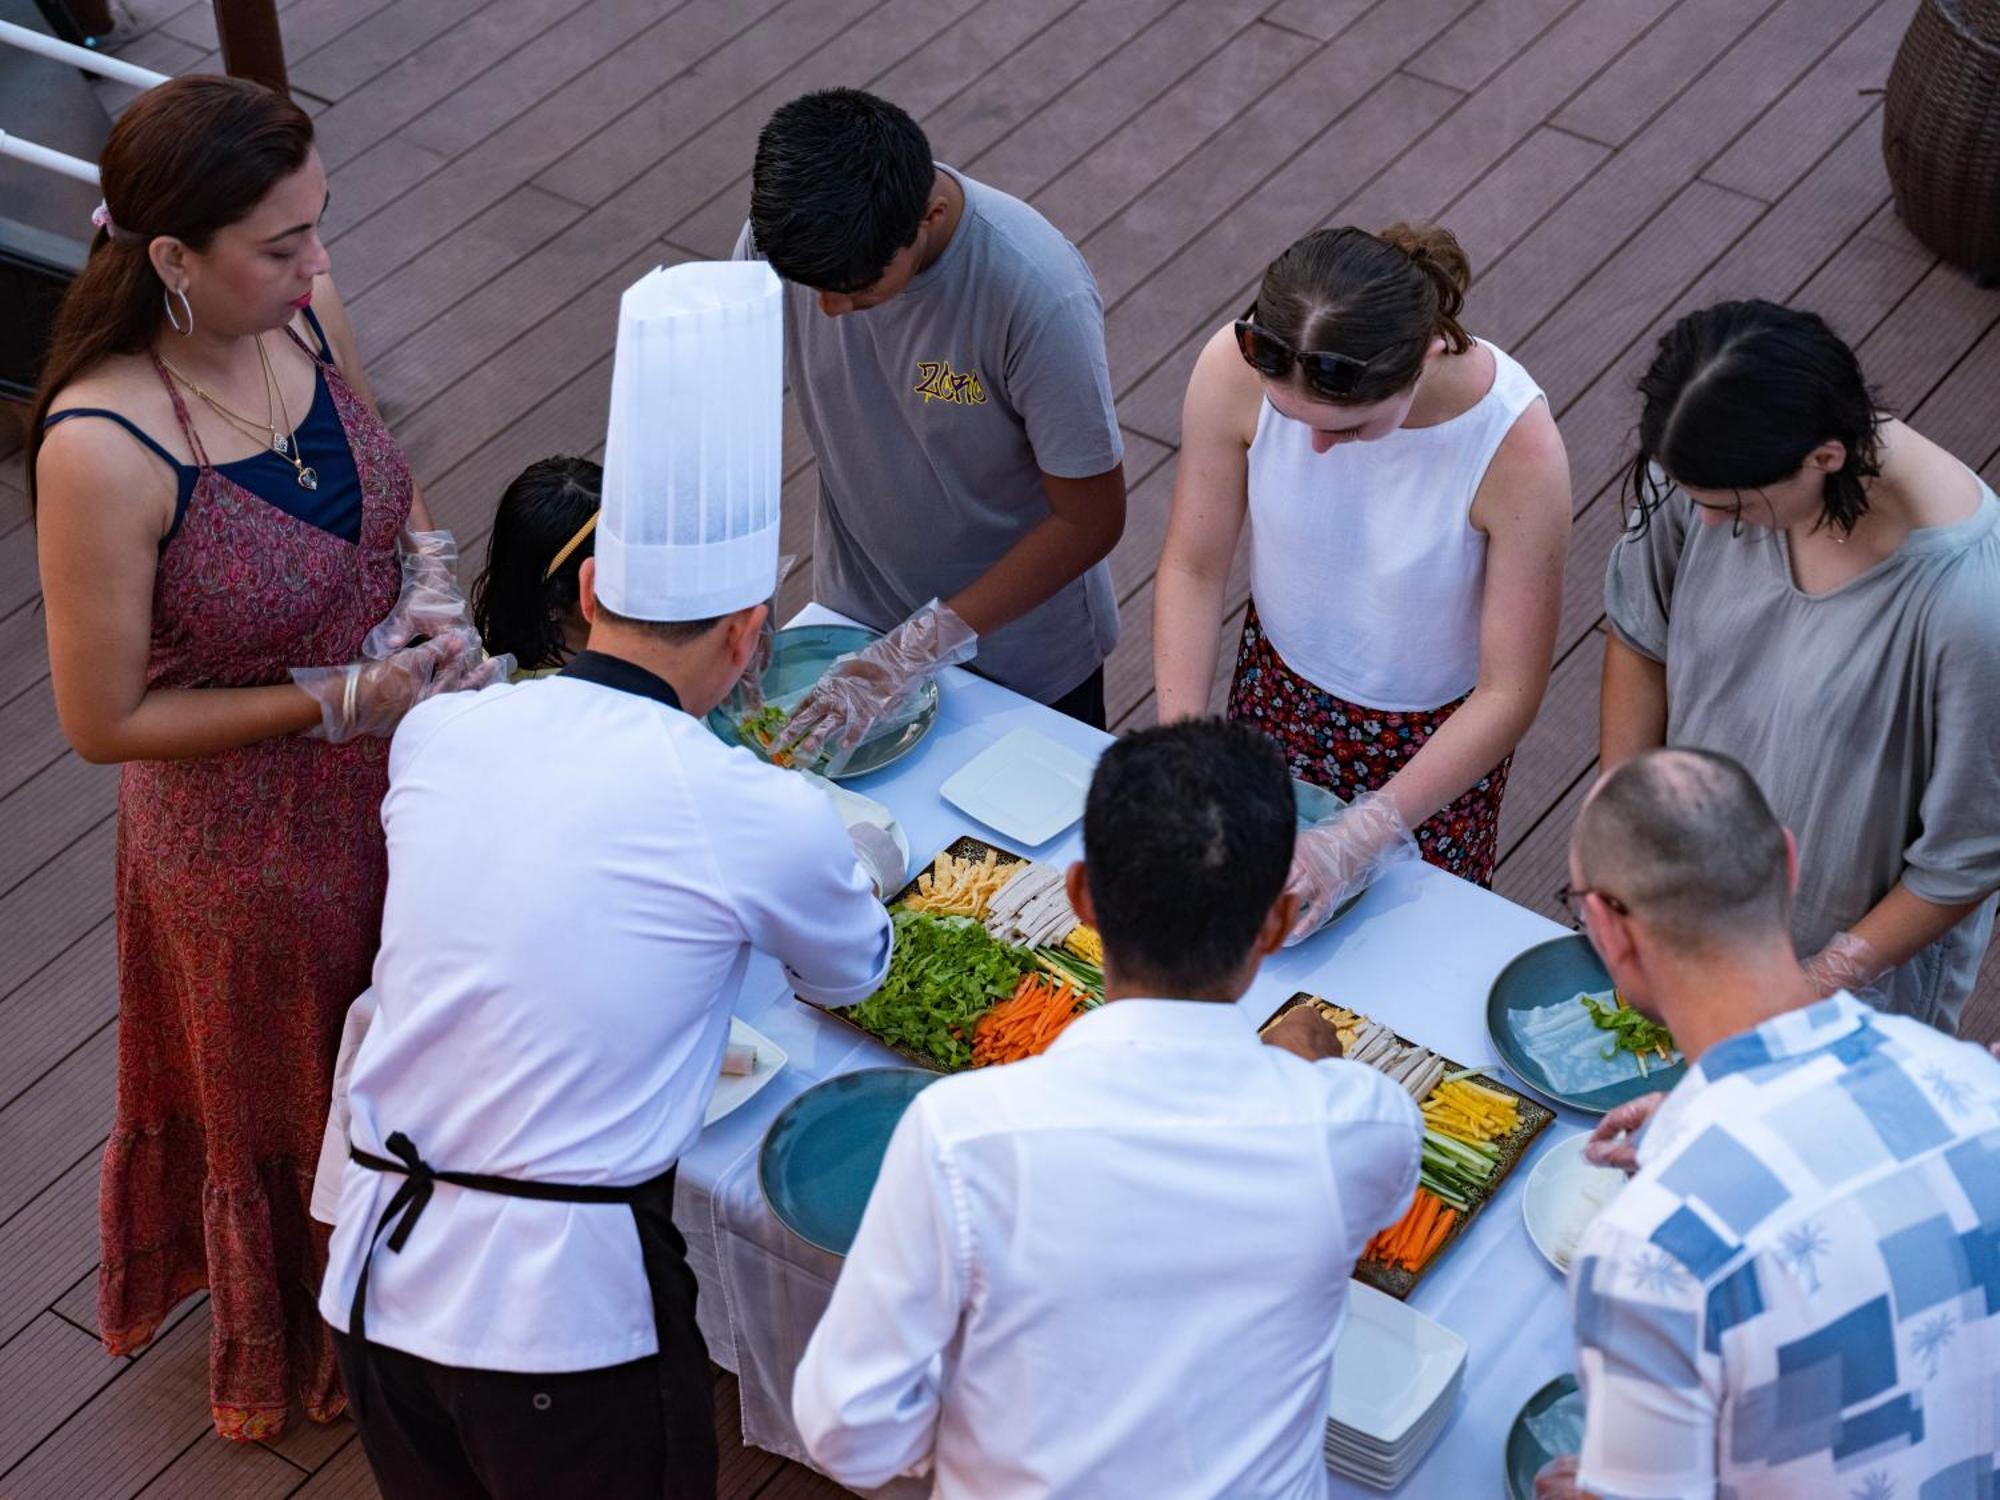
{"points": [[692, 462]]}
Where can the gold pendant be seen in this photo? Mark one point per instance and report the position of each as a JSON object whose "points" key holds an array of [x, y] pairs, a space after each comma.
{"points": [[281, 445], [308, 479]]}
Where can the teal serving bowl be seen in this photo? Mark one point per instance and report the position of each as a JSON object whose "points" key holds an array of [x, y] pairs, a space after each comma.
{"points": [[800, 656], [1526, 1456], [822, 1154], [1555, 973]]}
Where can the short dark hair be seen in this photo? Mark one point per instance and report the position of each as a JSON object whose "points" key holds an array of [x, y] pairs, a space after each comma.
{"points": [[840, 184], [1381, 298], [517, 603], [1187, 843], [1687, 840], [672, 632], [1739, 394]]}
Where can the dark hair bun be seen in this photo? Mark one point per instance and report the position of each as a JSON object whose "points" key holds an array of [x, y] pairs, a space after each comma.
{"points": [[1435, 249]]}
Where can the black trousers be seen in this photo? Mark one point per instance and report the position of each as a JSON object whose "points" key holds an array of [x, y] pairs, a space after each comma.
{"points": [[433, 1432], [1085, 701]]}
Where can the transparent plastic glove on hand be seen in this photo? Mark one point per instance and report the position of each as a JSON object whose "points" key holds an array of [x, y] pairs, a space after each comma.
{"points": [[1341, 858], [1847, 963], [430, 604], [880, 859], [866, 687], [371, 697]]}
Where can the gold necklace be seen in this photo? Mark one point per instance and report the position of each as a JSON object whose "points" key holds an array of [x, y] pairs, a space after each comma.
{"points": [[308, 477], [284, 444]]}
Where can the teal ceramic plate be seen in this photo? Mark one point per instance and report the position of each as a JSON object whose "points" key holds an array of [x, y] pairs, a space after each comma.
{"points": [[799, 658], [823, 1153], [1525, 1453], [1555, 973]]}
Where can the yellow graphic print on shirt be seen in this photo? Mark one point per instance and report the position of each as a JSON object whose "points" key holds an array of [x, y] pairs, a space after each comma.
{"points": [[936, 382]]}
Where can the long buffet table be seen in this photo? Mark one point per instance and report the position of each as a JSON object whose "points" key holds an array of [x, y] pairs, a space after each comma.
{"points": [[1418, 953]]}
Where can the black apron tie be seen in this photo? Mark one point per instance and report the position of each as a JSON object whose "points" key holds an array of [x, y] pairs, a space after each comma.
{"points": [[685, 1396], [420, 1179]]}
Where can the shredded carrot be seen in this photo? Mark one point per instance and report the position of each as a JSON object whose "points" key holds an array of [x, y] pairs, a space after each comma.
{"points": [[1412, 1240], [1027, 1022], [1439, 1232]]}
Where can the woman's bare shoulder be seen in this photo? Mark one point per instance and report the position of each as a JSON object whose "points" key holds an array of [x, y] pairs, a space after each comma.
{"points": [[1224, 393]]}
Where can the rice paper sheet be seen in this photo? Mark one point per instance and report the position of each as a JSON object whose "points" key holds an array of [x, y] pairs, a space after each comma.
{"points": [[1571, 1047], [1558, 1427]]}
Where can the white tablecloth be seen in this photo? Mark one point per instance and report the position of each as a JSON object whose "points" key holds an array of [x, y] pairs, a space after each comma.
{"points": [[1418, 953]]}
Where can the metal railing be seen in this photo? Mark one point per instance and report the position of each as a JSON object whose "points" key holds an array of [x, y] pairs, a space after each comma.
{"points": [[21, 149]]}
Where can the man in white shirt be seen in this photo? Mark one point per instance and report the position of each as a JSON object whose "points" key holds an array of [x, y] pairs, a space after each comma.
{"points": [[578, 872], [1798, 1293], [1118, 1268]]}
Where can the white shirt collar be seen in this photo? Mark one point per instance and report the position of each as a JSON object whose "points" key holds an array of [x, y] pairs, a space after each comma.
{"points": [[1171, 1023]]}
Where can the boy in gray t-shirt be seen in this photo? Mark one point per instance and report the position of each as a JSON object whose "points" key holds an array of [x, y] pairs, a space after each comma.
{"points": [[945, 345]]}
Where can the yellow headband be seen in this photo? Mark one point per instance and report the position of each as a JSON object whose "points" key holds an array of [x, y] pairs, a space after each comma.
{"points": [[569, 546]]}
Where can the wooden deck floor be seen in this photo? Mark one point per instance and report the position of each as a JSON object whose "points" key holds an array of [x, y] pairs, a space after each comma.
{"points": [[502, 168]]}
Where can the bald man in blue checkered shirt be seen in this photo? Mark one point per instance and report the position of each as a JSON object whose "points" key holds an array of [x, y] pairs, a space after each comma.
{"points": [[1798, 1292]]}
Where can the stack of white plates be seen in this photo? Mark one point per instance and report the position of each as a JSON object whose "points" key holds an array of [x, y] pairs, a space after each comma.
{"points": [[1396, 1376]]}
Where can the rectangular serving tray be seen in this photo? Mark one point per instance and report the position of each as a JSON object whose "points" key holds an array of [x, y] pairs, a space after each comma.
{"points": [[967, 847], [1535, 1117]]}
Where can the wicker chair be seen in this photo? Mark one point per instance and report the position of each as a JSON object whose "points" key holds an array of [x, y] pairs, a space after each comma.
{"points": [[1941, 132]]}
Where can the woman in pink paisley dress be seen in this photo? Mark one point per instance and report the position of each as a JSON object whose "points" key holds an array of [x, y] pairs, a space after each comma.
{"points": [[223, 520]]}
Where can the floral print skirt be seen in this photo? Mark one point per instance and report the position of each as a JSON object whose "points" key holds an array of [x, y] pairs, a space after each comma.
{"points": [[1349, 748]]}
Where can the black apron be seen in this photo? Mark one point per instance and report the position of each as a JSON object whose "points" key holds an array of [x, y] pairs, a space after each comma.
{"points": [[686, 1395]]}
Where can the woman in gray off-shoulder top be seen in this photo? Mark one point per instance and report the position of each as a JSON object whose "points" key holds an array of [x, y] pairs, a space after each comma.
{"points": [[1814, 588]]}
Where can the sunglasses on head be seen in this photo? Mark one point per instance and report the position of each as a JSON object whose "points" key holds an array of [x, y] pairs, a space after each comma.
{"points": [[1326, 373]]}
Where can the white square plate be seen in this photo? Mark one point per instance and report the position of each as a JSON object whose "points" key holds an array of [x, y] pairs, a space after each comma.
{"points": [[1390, 1367], [1024, 785], [733, 1092]]}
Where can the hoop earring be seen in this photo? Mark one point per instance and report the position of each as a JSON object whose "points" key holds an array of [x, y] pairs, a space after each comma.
{"points": [[167, 300]]}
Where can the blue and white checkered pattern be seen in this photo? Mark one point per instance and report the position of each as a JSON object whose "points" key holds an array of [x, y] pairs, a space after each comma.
{"points": [[1799, 1293]]}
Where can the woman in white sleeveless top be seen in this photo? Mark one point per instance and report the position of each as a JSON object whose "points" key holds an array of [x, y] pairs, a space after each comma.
{"points": [[1408, 500]]}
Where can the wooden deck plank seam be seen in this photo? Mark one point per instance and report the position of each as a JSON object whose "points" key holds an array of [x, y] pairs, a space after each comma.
{"points": [[1139, 106], [587, 205], [1588, 177], [691, 65], [564, 309], [687, 139], [1619, 250], [27, 1088], [1587, 388], [53, 856], [1221, 309], [1619, 56], [73, 1165], [1387, 79], [296, 66], [998, 63], [475, 77]]}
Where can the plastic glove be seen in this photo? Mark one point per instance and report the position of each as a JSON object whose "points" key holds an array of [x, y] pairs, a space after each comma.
{"points": [[1341, 858], [431, 603], [371, 697], [880, 859], [1615, 1141], [1846, 962], [871, 685]]}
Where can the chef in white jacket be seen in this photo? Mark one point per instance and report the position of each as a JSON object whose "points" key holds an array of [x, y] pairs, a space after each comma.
{"points": [[578, 872]]}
